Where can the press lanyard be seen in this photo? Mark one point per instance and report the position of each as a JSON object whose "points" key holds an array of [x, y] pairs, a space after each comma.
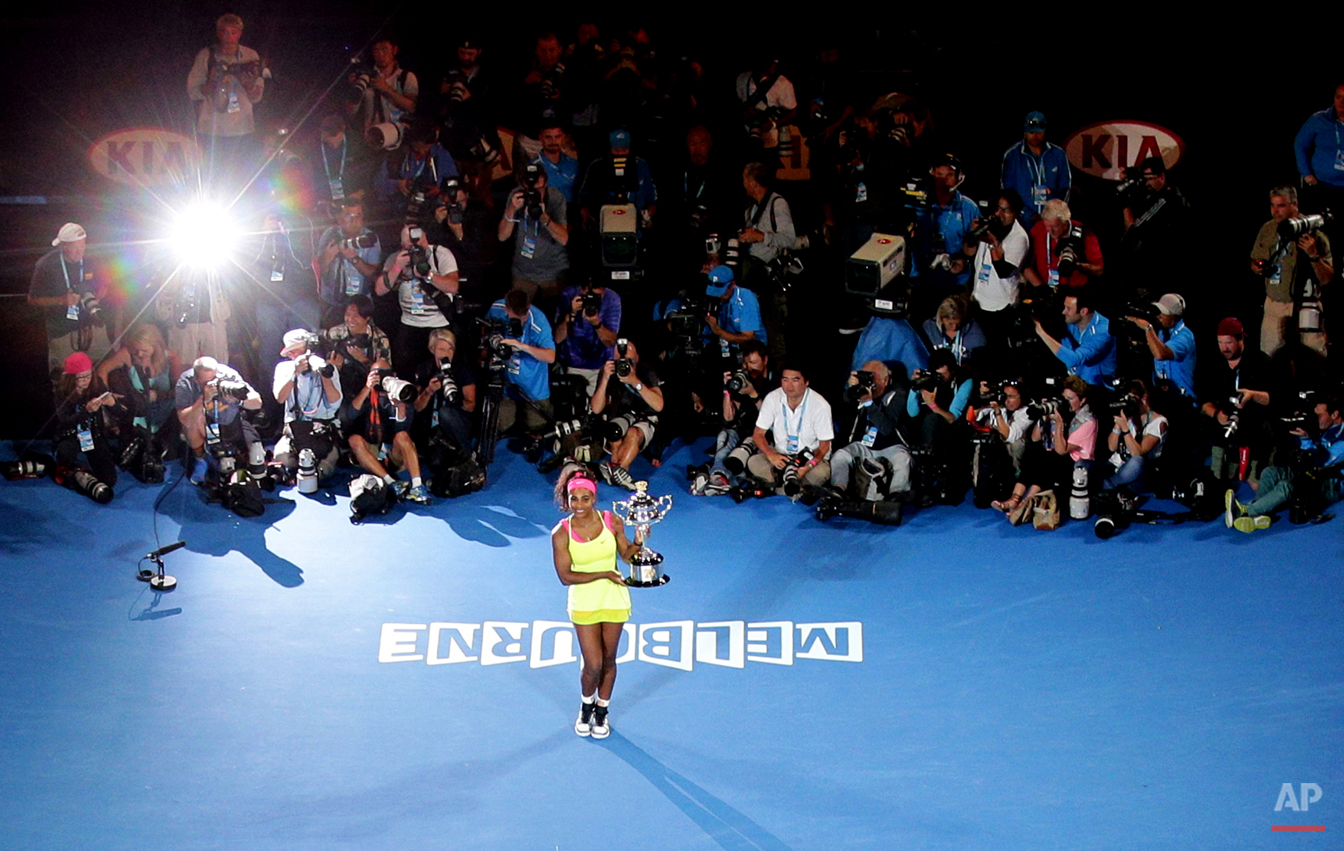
{"points": [[66, 273], [428, 160], [794, 436], [327, 166]]}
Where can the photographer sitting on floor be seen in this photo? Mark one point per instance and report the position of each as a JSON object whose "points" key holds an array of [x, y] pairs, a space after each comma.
{"points": [[378, 428], [877, 429], [630, 405], [307, 387], [1316, 479], [1137, 437], [799, 419], [743, 391], [1054, 449]]}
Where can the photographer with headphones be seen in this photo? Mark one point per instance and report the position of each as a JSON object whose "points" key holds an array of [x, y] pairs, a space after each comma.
{"points": [[943, 243]]}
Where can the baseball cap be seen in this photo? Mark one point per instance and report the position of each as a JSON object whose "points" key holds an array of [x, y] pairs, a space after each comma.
{"points": [[69, 232], [1231, 327], [619, 139], [1034, 122], [719, 279], [292, 340], [1170, 305]]}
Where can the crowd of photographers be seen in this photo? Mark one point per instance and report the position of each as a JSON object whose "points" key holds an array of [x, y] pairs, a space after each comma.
{"points": [[628, 269]]}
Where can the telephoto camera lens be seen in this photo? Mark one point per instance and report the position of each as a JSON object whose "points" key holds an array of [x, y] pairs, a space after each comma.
{"points": [[736, 461], [616, 427], [397, 389], [449, 386], [737, 381]]}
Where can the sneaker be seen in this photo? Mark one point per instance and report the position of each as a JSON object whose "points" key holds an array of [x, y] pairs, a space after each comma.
{"points": [[199, 468], [583, 725], [621, 477], [1246, 523], [698, 484], [604, 470], [400, 489], [600, 728], [1231, 508], [419, 494], [718, 486]]}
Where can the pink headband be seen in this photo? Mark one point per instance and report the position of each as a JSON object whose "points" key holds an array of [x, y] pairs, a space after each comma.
{"points": [[581, 482]]}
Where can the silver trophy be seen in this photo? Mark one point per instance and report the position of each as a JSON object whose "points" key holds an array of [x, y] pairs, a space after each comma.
{"points": [[642, 511]]}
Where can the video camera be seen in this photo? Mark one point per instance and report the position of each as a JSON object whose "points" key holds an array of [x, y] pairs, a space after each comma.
{"points": [[876, 272]]}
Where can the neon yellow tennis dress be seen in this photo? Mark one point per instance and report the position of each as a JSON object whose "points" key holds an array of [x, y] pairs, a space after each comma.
{"points": [[600, 601]]}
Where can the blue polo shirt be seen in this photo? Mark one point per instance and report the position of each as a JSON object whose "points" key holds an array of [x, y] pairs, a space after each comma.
{"points": [[525, 373], [1089, 353], [951, 223], [739, 314], [1181, 368], [563, 175], [582, 348]]}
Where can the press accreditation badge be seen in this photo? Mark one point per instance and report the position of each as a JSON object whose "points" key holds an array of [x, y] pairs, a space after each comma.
{"points": [[352, 284], [1054, 279], [337, 188], [529, 247], [85, 440], [212, 432], [72, 312], [234, 106], [983, 275], [277, 275], [870, 436], [1040, 194], [1339, 160]]}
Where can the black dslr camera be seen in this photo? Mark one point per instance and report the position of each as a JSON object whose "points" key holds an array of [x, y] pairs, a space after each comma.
{"points": [[532, 198], [624, 365], [855, 392]]}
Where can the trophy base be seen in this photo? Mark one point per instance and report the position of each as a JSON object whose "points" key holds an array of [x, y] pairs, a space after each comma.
{"points": [[662, 579]]}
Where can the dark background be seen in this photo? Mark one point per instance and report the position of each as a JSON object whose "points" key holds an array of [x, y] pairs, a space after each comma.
{"points": [[1236, 95]]}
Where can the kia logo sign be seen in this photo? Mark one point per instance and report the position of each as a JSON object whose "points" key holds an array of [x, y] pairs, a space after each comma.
{"points": [[145, 156], [1107, 148]]}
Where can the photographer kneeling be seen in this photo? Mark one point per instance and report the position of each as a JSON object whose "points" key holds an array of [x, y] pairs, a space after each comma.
{"points": [[800, 422], [210, 399], [447, 396], [378, 428], [307, 387], [937, 402], [425, 279], [1137, 437], [630, 406]]}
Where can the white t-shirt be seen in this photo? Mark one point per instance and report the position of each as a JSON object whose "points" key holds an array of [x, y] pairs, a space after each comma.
{"points": [[992, 292], [780, 96], [418, 309], [1156, 426], [796, 429]]}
